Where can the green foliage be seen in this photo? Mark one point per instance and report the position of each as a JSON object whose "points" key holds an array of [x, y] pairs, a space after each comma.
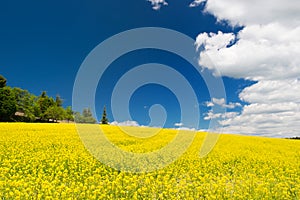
{"points": [[17, 104], [58, 101], [104, 119], [87, 112], [55, 113], [7, 104], [2, 81], [44, 102], [86, 117], [69, 114], [25, 103]]}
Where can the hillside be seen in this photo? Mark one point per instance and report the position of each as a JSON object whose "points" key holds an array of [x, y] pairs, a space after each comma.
{"points": [[50, 161]]}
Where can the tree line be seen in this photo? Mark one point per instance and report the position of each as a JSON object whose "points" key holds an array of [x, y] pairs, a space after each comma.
{"points": [[294, 138], [17, 104]]}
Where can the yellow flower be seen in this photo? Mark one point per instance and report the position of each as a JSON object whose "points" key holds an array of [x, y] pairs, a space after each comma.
{"points": [[49, 161]]}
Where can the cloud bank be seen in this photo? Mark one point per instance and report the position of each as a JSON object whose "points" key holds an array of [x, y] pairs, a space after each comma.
{"points": [[125, 123], [266, 50], [222, 103], [245, 12]]}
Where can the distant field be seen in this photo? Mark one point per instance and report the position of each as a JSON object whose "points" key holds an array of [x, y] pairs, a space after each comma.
{"points": [[46, 161]]}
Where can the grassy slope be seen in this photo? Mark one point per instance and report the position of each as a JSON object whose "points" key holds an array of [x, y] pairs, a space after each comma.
{"points": [[49, 160]]}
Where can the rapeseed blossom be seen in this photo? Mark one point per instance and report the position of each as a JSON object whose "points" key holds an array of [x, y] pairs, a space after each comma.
{"points": [[49, 161]]}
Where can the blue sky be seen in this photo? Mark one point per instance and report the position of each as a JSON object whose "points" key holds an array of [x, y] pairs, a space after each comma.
{"points": [[43, 44]]}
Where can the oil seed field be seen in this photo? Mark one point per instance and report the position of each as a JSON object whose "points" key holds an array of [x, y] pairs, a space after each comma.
{"points": [[49, 161]]}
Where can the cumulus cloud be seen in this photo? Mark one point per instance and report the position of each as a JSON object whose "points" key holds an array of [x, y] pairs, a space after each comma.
{"points": [[221, 102], [272, 92], [156, 4], [274, 110], [125, 123], [214, 41], [178, 124], [266, 50], [280, 119], [196, 3], [245, 12], [210, 115]]}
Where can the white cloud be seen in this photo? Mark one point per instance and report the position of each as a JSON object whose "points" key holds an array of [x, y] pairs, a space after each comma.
{"points": [[209, 104], [221, 102], [210, 115], [280, 119], [272, 92], [196, 3], [274, 110], [181, 127], [267, 50], [178, 124], [214, 41], [125, 123], [233, 105], [186, 129], [218, 101], [245, 12], [156, 4]]}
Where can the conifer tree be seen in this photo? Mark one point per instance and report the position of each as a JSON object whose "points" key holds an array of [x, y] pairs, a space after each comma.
{"points": [[104, 119]]}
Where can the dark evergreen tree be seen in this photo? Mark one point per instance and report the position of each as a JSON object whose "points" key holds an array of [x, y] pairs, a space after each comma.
{"points": [[104, 119]]}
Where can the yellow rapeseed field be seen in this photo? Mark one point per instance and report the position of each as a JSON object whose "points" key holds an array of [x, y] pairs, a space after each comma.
{"points": [[49, 161]]}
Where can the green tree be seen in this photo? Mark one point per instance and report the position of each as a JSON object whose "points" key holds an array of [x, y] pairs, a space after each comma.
{"points": [[44, 102], [87, 112], [104, 119], [20, 105], [78, 118], [69, 114], [25, 103], [58, 101], [2, 81], [37, 110], [86, 117], [55, 113], [7, 104]]}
